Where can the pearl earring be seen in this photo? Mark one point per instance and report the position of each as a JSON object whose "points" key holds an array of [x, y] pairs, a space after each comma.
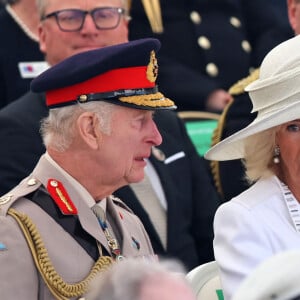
{"points": [[276, 158]]}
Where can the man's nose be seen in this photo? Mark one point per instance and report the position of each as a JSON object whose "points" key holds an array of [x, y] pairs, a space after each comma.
{"points": [[89, 25], [156, 138]]}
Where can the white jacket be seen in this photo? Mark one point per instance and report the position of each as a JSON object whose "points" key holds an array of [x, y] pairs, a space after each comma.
{"points": [[250, 228]]}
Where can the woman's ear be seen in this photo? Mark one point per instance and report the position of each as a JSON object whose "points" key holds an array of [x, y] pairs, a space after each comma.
{"points": [[88, 128]]}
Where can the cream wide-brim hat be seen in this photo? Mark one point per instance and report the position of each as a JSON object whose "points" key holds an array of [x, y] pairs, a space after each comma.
{"points": [[275, 97]]}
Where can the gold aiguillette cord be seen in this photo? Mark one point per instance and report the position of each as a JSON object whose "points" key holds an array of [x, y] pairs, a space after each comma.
{"points": [[153, 12]]}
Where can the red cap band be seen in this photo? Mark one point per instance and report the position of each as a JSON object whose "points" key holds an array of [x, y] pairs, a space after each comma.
{"points": [[125, 78]]}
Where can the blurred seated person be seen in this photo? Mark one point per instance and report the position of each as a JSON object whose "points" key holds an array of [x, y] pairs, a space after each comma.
{"points": [[263, 220], [137, 279], [236, 116], [207, 45], [181, 199], [277, 278], [20, 57]]}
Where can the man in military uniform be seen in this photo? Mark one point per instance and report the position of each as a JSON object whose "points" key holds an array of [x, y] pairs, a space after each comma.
{"points": [[185, 204], [60, 226], [207, 45]]}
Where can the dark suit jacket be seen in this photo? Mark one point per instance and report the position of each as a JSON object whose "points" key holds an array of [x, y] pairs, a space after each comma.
{"points": [[16, 47], [192, 199], [237, 117], [183, 75]]}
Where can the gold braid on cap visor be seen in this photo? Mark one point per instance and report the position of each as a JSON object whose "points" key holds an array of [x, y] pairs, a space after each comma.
{"points": [[151, 100]]}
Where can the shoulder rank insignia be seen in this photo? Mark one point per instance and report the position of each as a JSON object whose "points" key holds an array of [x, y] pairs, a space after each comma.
{"points": [[61, 197]]}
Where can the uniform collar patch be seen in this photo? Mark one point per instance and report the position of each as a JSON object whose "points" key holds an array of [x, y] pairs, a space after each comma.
{"points": [[61, 197]]}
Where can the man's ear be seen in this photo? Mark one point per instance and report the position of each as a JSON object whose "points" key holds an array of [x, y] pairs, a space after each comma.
{"points": [[42, 44], [88, 128]]}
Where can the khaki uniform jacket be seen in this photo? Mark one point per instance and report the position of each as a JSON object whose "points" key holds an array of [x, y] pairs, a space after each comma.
{"points": [[19, 277]]}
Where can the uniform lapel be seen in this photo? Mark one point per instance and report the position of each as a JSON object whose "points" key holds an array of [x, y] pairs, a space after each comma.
{"points": [[44, 171], [127, 195]]}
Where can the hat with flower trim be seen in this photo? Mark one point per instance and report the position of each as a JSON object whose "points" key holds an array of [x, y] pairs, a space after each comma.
{"points": [[122, 74]]}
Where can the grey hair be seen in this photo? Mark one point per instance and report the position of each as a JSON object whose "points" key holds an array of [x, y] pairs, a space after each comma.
{"points": [[124, 279], [42, 5], [258, 158], [58, 129]]}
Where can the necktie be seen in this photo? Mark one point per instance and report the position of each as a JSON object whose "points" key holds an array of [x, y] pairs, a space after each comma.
{"points": [[99, 212], [149, 200], [108, 232]]}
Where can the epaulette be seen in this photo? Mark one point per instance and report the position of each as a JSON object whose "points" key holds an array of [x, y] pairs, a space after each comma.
{"points": [[239, 87], [25, 187]]}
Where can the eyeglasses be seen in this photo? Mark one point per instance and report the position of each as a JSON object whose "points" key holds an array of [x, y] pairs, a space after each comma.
{"points": [[73, 19]]}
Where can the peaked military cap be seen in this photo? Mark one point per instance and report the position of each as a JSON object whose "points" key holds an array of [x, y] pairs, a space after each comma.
{"points": [[123, 74]]}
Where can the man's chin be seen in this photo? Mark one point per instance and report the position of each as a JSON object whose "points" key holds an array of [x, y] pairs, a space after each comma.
{"points": [[137, 178]]}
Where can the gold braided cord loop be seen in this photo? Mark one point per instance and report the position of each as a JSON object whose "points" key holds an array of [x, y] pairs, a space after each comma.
{"points": [[237, 89], [216, 137], [149, 100], [57, 286], [153, 11]]}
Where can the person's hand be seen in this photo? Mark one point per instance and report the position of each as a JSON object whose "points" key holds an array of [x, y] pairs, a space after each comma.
{"points": [[217, 100]]}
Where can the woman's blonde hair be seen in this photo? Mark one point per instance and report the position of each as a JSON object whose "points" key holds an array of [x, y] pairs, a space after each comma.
{"points": [[258, 158]]}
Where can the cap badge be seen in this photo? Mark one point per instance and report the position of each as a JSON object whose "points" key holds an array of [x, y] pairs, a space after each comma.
{"points": [[61, 197], [152, 68]]}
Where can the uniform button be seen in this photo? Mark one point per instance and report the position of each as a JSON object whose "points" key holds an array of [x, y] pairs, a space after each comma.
{"points": [[204, 42], [31, 182], [235, 22], [246, 46], [5, 199], [212, 70], [158, 154], [195, 17], [54, 183]]}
